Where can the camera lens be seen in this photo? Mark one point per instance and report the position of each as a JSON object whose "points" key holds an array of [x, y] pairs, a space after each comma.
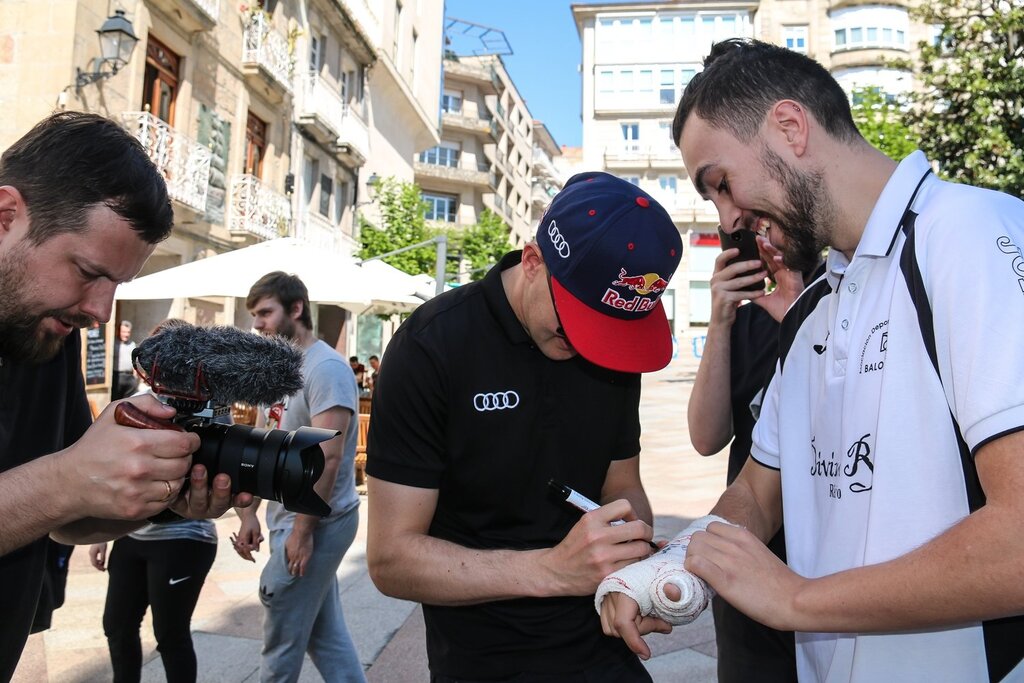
{"points": [[269, 463]]}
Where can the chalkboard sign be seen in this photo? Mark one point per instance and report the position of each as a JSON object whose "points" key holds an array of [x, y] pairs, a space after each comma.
{"points": [[96, 355]]}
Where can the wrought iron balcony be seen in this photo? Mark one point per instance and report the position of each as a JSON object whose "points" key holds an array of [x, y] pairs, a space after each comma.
{"points": [[258, 210], [322, 110], [184, 163], [265, 55]]}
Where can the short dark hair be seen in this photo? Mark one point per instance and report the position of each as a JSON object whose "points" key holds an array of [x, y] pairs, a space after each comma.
{"points": [[72, 161], [284, 287], [743, 78]]}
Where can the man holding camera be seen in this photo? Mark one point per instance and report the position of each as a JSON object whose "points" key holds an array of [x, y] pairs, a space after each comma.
{"points": [[81, 208], [299, 585]]}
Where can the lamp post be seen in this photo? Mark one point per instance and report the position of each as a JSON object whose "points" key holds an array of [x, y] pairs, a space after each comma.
{"points": [[117, 42]]}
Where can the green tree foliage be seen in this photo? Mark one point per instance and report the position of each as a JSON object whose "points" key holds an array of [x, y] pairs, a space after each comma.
{"points": [[969, 115], [480, 246], [402, 224], [880, 121]]}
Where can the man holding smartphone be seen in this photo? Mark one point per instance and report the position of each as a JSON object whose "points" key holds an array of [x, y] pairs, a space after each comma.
{"points": [[739, 357]]}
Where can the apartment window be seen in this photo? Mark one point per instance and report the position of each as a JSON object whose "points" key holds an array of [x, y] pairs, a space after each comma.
{"points": [[795, 38], [440, 207], [634, 179], [630, 136], [668, 184], [326, 190], [310, 173], [340, 200], [255, 144], [317, 53], [667, 86], [445, 154], [870, 26], [451, 101], [161, 80]]}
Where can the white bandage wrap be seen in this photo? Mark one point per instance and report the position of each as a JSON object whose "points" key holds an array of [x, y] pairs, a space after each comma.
{"points": [[645, 581]]}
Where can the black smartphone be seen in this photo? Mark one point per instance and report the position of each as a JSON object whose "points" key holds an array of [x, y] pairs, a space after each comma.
{"points": [[746, 241]]}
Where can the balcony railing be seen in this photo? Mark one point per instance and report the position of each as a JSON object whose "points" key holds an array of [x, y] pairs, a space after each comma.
{"points": [[322, 103], [265, 47], [470, 123], [631, 153], [477, 176], [258, 210], [317, 231], [184, 163]]}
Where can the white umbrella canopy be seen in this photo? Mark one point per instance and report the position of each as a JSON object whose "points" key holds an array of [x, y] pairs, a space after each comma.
{"points": [[330, 278]]}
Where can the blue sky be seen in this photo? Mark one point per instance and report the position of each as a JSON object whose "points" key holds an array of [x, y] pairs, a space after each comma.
{"points": [[545, 59]]}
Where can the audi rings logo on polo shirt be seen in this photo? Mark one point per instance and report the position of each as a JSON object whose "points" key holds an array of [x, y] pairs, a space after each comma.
{"points": [[558, 240], [496, 400]]}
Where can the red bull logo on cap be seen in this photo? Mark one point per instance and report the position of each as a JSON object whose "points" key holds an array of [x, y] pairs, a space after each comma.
{"points": [[638, 304], [651, 283]]}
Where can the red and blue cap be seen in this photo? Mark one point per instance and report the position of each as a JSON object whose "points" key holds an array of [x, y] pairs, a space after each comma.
{"points": [[611, 250]]}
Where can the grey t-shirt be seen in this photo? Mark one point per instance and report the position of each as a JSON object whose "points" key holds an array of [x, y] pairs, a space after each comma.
{"points": [[328, 382]]}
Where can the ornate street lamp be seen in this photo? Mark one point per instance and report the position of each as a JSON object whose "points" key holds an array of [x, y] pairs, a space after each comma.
{"points": [[117, 42]]}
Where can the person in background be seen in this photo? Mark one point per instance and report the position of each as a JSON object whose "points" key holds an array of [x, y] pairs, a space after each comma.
{"points": [[125, 381], [161, 566], [740, 353], [359, 370], [299, 585], [374, 362]]}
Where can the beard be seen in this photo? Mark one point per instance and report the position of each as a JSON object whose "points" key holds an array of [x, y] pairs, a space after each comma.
{"points": [[809, 216], [22, 336]]}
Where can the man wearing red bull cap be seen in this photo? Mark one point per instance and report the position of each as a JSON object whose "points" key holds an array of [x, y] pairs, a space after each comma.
{"points": [[491, 390]]}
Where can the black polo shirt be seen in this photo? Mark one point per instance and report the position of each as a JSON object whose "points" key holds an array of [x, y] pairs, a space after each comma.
{"points": [[465, 403], [43, 409]]}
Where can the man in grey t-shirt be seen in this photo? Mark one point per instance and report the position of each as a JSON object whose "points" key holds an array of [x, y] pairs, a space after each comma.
{"points": [[299, 587]]}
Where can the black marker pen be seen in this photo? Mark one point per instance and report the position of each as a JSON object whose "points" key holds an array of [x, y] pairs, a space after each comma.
{"points": [[582, 503]]}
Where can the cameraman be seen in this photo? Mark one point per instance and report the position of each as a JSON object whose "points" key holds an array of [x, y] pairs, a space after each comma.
{"points": [[299, 585], [81, 208]]}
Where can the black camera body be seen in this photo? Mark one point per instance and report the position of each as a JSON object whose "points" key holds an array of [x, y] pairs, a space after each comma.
{"points": [[270, 463]]}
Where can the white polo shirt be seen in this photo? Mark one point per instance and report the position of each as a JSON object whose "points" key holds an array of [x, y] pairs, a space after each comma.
{"points": [[860, 426]]}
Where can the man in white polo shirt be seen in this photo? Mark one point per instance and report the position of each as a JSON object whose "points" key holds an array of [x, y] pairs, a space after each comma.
{"points": [[890, 438]]}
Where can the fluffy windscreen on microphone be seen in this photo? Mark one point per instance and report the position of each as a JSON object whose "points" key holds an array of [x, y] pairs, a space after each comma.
{"points": [[235, 365]]}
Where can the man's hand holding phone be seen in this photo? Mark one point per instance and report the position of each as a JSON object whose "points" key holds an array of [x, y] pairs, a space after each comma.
{"points": [[746, 260], [739, 274]]}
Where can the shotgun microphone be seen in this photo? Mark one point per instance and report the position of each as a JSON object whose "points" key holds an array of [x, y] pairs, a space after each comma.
{"points": [[220, 364]]}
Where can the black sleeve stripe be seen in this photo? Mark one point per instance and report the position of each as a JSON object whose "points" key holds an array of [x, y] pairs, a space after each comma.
{"points": [[1004, 638], [797, 314], [764, 465]]}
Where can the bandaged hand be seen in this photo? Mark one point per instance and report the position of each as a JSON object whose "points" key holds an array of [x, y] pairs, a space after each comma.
{"points": [[645, 581]]}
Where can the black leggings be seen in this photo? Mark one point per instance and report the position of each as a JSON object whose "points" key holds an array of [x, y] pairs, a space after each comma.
{"points": [[167, 575]]}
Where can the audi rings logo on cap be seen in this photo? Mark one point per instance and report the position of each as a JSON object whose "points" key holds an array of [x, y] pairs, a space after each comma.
{"points": [[498, 400], [558, 240]]}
